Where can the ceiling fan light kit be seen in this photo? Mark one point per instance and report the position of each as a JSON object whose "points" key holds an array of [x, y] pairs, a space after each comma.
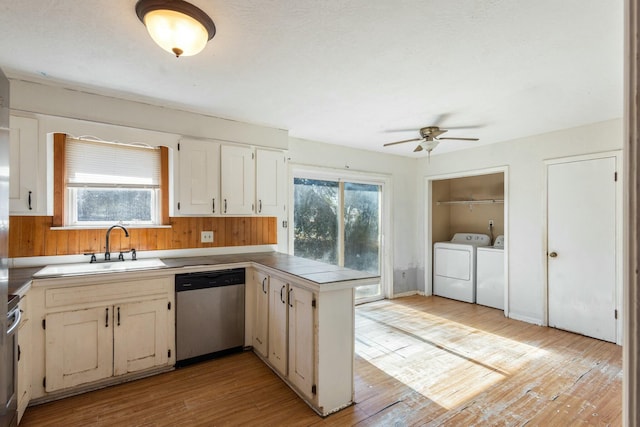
{"points": [[176, 26]]}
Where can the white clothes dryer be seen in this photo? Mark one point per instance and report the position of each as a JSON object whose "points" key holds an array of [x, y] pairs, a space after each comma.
{"points": [[454, 266], [490, 275]]}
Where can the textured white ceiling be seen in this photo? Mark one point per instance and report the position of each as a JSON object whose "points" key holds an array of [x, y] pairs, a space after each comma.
{"points": [[346, 72]]}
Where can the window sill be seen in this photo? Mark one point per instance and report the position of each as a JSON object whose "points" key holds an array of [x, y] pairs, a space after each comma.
{"points": [[105, 227]]}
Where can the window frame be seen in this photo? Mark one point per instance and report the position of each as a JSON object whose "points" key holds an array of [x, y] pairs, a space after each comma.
{"points": [[62, 197]]}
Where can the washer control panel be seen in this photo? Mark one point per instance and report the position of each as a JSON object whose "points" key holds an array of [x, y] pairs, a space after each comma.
{"points": [[471, 239]]}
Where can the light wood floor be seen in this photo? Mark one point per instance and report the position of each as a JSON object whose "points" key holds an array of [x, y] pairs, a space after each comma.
{"points": [[419, 361]]}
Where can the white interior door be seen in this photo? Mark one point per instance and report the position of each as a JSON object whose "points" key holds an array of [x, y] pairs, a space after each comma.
{"points": [[581, 252]]}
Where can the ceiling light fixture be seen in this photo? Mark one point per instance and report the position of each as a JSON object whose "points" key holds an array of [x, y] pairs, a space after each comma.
{"points": [[176, 26]]}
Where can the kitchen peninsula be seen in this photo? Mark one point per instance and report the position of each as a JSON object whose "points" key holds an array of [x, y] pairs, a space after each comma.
{"points": [[299, 319]]}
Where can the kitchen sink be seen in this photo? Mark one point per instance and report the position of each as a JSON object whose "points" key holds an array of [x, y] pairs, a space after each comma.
{"points": [[59, 270]]}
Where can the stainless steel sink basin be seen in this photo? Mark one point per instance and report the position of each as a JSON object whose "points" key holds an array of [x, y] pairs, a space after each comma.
{"points": [[58, 270]]}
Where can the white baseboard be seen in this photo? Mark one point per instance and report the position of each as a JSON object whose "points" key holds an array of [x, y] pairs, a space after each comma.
{"points": [[527, 319], [406, 294]]}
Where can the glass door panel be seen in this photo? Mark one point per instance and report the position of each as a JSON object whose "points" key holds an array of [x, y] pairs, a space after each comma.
{"points": [[339, 223], [362, 232], [315, 220]]}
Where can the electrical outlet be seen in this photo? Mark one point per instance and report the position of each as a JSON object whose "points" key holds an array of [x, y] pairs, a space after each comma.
{"points": [[490, 223], [206, 237]]}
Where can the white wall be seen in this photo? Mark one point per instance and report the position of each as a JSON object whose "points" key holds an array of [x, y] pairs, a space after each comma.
{"points": [[78, 104], [524, 159]]}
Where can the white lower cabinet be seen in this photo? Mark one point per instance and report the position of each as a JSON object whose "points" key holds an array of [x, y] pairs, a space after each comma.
{"points": [[291, 335], [101, 332], [261, 319], [301, 357], [97, 343], [24, 359], [278, 324], [79, 347], [140, 338]]}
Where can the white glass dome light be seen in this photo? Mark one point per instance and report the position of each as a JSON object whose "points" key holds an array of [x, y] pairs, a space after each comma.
{"points": [[176, 26]]}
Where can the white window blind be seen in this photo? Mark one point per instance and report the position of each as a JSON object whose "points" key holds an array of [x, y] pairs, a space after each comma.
{"points": [[104, 164]]}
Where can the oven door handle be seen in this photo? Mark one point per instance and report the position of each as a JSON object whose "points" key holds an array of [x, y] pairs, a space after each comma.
{"points": [[17, 316]]}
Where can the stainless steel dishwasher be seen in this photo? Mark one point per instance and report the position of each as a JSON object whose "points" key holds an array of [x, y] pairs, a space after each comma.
{"points": [[209, 314]]}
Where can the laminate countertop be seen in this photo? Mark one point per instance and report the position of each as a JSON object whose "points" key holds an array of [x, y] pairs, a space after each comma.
{"points": [[317, 272]]}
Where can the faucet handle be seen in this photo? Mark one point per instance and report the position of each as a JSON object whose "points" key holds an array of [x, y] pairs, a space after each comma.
{"points": [[121, 256], [133, 255], [93, 257]]}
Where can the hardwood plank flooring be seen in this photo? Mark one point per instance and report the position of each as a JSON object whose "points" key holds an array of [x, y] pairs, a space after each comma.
{"points": [[422, 361]]}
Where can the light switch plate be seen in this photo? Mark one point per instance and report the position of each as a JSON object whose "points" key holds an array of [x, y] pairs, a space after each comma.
{"points": [[206, 237]]}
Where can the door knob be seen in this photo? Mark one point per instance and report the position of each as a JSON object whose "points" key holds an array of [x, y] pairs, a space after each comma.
{"points": [[553, 255]]}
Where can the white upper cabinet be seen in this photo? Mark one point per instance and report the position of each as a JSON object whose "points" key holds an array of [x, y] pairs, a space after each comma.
{"points": [[25, 191], [270, 182], [237, 179], [199, 177]]}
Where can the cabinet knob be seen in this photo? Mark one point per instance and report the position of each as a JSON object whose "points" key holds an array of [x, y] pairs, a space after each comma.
{"points": [[553, 254]]}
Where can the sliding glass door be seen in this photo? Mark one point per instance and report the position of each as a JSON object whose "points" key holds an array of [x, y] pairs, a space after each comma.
{"points": [[339, 223]]}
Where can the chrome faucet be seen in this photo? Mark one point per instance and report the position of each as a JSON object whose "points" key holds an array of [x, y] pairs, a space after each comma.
{"points": [[107, 254]]}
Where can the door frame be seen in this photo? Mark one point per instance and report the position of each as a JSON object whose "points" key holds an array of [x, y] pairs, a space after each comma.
{"points": [[428, 232], [386, 229], [617, 154]]}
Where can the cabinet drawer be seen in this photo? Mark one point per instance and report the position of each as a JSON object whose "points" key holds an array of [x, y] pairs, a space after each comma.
{"points": [[107, 292]]}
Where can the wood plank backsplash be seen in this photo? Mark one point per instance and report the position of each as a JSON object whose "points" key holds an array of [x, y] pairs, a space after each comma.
{"points": [[33, 236]]}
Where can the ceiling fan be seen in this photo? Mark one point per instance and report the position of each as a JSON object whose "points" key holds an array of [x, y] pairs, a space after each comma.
{"points": [[429, 139]]}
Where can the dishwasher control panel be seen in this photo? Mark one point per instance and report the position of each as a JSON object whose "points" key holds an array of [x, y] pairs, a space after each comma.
{"points": [[209, 279]]}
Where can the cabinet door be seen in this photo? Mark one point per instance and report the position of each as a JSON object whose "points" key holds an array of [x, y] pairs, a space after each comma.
{"points": [[301, 348], [270, 182], [261, 319], [278, 324], [23, 155], [140, 336], [237, 179], [24, 364], [199, 177], [79, 347]]}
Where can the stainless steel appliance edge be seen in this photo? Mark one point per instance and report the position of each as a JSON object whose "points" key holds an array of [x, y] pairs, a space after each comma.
{"points": [[8, 414]]}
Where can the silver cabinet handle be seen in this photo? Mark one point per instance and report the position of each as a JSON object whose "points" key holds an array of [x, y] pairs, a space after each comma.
{"points": [[259, 206], [225, 205], [17, 316], [553, 254]]}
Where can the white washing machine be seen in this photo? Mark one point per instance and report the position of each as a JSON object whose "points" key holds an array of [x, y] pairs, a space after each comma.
{"points": [[454, 266], [490, 275]]}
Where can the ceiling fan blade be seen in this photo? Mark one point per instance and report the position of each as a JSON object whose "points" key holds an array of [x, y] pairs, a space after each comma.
{"points": [[418, 148], [461, 139], [396, 130], [440, 118], [437, 133], [402, 142], [465, 127]]}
